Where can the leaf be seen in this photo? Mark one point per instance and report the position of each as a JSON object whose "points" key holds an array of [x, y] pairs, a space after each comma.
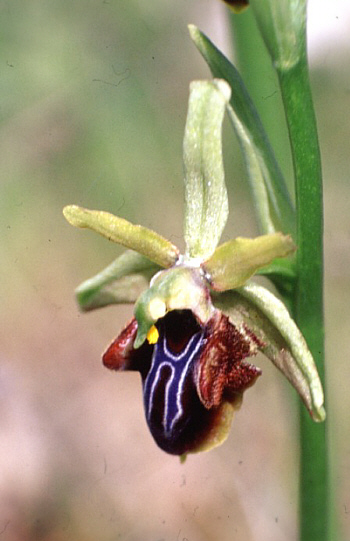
{"points": [[235, 261], [205, 191], [254, 308], [121, 282], [271, 197], [136, 237]]}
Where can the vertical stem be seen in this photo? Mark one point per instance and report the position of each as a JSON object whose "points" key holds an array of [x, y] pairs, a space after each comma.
{"points": [[297, 99], [308, 300]]}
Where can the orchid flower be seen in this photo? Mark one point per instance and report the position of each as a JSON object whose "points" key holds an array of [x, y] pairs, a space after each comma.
{"points": [[198, 317]]}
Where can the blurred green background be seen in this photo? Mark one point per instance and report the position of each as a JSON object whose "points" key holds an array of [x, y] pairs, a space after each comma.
{"points": [[93, 106]]}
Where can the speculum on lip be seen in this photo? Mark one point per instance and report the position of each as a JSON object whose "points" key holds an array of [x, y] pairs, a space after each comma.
{"points": [[193, 377]]}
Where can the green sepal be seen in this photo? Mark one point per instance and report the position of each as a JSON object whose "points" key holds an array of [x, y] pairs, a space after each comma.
{"points": [[206, 208], [136, 237], [237, 260], [272, 201], [256, 309], [179, 288], [119, 283]]}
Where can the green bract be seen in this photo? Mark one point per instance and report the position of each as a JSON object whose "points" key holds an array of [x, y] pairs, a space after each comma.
{"points": [[208, 281], [273, 206]]}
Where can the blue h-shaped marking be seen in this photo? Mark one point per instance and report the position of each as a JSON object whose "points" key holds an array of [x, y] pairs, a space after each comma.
{"points": [[177, 366]]}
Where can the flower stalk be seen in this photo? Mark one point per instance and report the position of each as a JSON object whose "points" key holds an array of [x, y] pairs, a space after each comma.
{"points": [[308, 303], [282, 24]]}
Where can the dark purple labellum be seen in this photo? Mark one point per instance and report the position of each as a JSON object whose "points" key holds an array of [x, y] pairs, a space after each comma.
{"points": [[168, 387], [187, 376], [237, 5]]}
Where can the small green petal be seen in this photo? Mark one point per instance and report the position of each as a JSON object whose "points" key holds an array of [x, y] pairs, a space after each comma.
{"points": [[254, 308], [180, 288], [205, 191], [136, 237], [121, 282], [234, 262]]}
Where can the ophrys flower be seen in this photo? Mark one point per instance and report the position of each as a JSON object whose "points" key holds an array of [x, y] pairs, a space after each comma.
{"points": [[197, 318]]}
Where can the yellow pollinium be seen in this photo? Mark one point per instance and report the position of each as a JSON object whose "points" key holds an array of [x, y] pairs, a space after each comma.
{"points": [[153, 335]]}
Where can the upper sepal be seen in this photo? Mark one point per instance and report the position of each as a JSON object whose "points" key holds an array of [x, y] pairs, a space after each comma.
{"points": [[274, 209], [206, 208]]}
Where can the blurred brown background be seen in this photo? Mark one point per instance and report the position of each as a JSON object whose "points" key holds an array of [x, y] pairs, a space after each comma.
{"points": [[93, 105]]}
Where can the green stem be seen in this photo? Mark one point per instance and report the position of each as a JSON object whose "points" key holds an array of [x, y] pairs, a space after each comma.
{"points": [[308, 305]]}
